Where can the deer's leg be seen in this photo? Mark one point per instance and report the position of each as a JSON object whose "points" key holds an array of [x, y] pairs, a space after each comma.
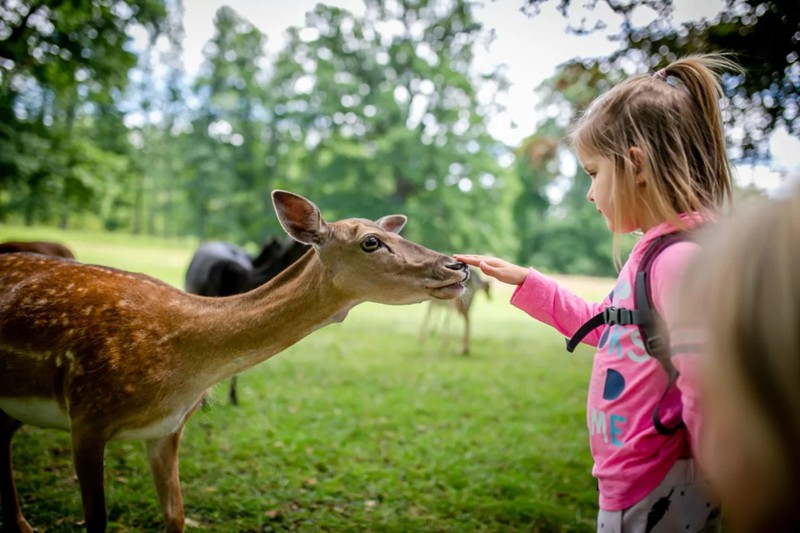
{"points": [[445, 323], [11, 513], [87, 453], [162, 454], [465, 340], [425, 323], [232, 392]]}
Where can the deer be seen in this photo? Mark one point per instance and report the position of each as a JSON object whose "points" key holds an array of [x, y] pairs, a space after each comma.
{"points": [[460, 305], [220, 268], [55, 249], [108, 355]]}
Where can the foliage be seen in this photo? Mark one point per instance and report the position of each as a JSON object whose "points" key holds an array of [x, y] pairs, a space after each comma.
{"points": [[373, 122], [565, 234], [58, 60], [365, 114], [363, 119], [762, 35]]}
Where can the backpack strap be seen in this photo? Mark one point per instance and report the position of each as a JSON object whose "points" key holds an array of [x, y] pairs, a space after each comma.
{"points": [[653, 331]]}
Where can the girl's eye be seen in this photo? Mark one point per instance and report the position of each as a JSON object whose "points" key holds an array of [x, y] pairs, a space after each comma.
{"points": [[370, 244]]}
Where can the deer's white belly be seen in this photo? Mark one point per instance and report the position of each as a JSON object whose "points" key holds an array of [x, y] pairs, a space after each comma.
{"points": [[36, 412], [159, 428], [47, 414]]}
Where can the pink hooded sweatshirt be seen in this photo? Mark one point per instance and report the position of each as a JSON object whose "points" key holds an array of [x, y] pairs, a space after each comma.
{"points": [[630, 457]]}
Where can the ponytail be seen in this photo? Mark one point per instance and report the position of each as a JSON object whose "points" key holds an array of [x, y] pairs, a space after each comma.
{"points": [[697, 74]]}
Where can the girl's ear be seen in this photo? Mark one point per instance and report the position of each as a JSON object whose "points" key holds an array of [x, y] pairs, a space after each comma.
{"points": [[636, 155]]}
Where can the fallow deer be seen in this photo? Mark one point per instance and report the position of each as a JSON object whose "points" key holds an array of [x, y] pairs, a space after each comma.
{"points": [[107, 354], [460, 305], [55, 249]]}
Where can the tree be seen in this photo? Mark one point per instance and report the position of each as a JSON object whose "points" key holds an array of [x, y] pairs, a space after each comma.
{"points": [[58, 60], [155, 106], [381, 114], [562, 234], [230, 127], [763, 36]]}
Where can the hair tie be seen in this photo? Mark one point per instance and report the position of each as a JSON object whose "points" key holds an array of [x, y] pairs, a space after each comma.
{"points": [[661, 74]]}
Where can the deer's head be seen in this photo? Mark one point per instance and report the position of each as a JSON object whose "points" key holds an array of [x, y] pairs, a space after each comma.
{"points": [[370, 260]]}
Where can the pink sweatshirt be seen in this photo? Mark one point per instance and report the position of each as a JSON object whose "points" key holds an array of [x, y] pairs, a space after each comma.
{"points": [[630, 457]]}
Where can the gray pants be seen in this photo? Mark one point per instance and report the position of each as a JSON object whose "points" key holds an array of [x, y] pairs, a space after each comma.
{"points": [[681, 503]]}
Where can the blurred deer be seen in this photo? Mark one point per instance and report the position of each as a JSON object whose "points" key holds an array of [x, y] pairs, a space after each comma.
{"points": [[460, 305], [37, 247]]}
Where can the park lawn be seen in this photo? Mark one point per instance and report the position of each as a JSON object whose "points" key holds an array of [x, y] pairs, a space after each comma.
{"points": [[358, 427]]}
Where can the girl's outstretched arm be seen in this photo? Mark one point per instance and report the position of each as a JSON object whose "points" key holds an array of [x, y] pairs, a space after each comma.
{"points": [[540, 296], [497, 268]]}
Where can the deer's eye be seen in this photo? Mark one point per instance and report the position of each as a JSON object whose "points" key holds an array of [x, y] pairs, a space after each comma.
{"points": [[370, 244]]}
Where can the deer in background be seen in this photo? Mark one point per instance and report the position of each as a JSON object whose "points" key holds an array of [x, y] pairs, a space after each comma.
{"points": [[37, 247], [460, 305], [107, 354], [224, 269]]}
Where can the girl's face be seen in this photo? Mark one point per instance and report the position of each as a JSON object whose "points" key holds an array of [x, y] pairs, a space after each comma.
{"points": [[601, 172]]}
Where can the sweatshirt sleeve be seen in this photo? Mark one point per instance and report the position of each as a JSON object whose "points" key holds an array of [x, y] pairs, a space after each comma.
{"points": [[685, 344], [545, 300]]}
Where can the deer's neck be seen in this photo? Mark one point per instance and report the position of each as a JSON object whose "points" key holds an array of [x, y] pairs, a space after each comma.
{"points": [[241, 331]]}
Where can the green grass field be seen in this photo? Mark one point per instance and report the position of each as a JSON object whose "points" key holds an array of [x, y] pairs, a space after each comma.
{"points": [[358, 427]]}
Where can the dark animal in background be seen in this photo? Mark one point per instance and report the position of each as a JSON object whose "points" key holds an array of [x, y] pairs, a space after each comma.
{"points": [[460, 306], [37, 247], [218, 269], [224, 269]]}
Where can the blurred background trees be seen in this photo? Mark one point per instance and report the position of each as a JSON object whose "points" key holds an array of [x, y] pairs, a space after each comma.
{"points": [[102, 127]]}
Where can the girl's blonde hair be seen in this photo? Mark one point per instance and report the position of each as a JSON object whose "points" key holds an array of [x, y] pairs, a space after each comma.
{"points": [[743, 291], [673, 117]]}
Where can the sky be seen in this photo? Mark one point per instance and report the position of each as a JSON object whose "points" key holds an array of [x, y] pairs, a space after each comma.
{"points": [[530, 48]]}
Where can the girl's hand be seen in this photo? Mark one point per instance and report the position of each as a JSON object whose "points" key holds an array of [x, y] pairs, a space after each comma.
{"points": [[496, 268]]}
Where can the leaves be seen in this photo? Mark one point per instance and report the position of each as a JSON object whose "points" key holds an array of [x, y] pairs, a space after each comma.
{"points": [[763, 36]]}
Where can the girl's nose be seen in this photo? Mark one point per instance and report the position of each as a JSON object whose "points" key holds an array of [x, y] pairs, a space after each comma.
{"points": [[590, 195]]}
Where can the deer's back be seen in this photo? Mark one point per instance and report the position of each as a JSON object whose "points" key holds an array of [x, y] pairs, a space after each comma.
{"points": [[66, 326]]}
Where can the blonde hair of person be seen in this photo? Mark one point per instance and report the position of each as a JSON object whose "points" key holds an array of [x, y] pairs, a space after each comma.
{"points": [[673, 116], [743, 292]]}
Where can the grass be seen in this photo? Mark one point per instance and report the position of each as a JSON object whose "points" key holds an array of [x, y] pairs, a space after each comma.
{"points": [[358, 427]]}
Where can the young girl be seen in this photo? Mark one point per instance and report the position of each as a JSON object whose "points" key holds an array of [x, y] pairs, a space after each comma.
{"points": [[654, 149], [748, 272]]}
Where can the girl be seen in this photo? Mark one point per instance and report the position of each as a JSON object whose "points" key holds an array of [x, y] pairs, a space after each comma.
{"points": [[654, 149], [748, 271]]}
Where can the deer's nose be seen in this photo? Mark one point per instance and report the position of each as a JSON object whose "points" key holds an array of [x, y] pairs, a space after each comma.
{"points": [[456, 265]]}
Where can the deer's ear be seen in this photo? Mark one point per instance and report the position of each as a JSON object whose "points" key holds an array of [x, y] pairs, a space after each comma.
{"points": [[299, 217], [392, 223]]}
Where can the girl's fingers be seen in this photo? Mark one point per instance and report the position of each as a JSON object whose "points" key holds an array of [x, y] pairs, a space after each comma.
{"points": [[495, 267], [488, 270], [469, 259]]}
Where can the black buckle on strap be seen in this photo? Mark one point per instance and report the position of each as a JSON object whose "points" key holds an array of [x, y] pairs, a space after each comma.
{"points": [[615, 315]]}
